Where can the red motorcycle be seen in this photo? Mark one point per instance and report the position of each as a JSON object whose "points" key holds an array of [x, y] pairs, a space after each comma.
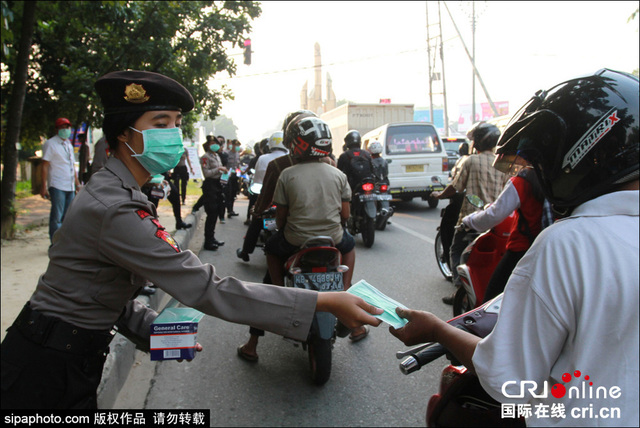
{"points": [[461, 400], [479, 260]]}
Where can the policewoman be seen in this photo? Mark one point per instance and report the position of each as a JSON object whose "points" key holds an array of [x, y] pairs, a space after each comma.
{"points": [[111, 242]]}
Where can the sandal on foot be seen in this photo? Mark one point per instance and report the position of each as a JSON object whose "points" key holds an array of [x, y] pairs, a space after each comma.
{"points": [[245, 356], [358, 337]]}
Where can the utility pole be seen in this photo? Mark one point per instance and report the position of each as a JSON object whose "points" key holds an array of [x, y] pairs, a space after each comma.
{"points": [[473, 61], [429, 67], [475, 70], [444, 86]]}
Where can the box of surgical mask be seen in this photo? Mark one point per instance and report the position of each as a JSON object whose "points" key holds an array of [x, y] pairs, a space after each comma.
{"points": [[173, 334]]}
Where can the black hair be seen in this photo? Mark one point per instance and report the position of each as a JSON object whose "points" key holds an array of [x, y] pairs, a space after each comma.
{"points": [[115, 124]]}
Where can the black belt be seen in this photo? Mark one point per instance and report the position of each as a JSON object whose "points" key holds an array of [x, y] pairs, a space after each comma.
{"points": [[56, 334]]}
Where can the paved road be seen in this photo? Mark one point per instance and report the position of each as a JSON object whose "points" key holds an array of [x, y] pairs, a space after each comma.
{"points": [[366, 388]]}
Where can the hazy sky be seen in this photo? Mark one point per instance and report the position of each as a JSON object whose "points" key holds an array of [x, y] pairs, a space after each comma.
{"points": [[376, 50]]}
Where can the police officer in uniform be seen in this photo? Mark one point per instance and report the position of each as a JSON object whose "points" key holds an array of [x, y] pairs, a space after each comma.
{"points": [[111, 242]]}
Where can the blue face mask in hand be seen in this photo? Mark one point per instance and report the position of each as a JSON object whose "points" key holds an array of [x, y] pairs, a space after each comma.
{"points": [[163, 149], [371, 295]]}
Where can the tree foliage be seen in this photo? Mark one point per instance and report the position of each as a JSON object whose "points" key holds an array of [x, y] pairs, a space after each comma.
{"points": [[75, 42]]}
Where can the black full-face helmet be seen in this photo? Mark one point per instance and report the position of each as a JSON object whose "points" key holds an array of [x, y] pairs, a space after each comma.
{"points": [[581, 137], [483, 136], [310, 137], [353, 139], [287, 120]]}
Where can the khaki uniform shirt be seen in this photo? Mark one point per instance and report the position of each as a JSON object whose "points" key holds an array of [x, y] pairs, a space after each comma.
{"points": [[210, 165], [314, 193], [111, 241]]}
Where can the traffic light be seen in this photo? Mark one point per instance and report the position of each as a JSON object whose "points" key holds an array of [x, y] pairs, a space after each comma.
{"points": [[247, 51]]}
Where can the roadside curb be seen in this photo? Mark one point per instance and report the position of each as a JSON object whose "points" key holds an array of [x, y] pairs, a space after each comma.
{"points": [[122, 351]]}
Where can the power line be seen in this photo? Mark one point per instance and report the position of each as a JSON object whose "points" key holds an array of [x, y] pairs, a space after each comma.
{"points": [[326, 65]]}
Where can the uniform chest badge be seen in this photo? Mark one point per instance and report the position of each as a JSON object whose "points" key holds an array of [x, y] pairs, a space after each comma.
{"points": [[135, 93]]}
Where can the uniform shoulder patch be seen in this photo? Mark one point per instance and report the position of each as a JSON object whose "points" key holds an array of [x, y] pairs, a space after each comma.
{"points": [[143, 214], [160, 232], [166, 237]]}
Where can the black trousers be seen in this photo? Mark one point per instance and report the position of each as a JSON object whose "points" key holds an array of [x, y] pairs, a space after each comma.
{"points": [[232, 191], [173, 198], [38, 377], [253, 233], [213, 202], [181, 178]]}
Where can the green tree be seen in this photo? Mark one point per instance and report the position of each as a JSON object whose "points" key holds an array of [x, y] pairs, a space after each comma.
{"points": [[224, 126], [75, 42]]}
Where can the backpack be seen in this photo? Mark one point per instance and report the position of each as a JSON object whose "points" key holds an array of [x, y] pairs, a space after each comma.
{"points": [[360, 166]]}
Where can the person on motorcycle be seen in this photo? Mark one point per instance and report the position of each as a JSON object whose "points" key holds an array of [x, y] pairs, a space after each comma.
{"points": [[380, 167], [312, 198], [570, 307], [479, 178], [265, 198], [452, 210], [522, 195], [355, 162], [252, 166]]}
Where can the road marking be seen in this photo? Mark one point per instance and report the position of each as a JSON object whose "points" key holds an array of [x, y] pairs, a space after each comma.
{"points": [[414, 233]]}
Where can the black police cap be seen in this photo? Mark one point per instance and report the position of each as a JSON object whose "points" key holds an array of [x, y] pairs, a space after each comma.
{"points": [[131, 91]]}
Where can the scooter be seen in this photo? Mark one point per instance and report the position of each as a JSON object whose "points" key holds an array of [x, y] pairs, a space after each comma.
{"points": [[479, 260], [363, 212], [317, 266], [245, 176], [384, 209], [461, 400], [444, 235], [269, 226]]}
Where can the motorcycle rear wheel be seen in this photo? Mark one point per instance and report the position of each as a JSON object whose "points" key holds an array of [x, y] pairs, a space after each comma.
{"points": [[320, 359], [461, 302], [368, 231], [442, 263]]}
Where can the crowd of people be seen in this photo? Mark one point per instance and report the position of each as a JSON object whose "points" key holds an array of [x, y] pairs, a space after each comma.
{"points": [[565, 286]]}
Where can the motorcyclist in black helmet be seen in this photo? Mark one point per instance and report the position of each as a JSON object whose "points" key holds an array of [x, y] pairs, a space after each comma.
{"points": [[478, 177], [356, 163], [570, 308]]}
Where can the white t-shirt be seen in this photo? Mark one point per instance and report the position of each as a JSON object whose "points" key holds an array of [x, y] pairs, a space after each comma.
{"points": [[263, 163], [571, 305], [59, 154]]}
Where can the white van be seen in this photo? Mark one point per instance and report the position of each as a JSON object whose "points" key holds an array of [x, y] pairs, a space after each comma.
{"points": [[415, 154]]}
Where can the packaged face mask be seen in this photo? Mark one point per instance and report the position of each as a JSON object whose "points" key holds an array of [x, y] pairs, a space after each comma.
{"points": [[374, 297]]}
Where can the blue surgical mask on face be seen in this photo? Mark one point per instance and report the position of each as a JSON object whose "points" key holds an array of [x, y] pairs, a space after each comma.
{"points": [[162, 151], [64, 133]]}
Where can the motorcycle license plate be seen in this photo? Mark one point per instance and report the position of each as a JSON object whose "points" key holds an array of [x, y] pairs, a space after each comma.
{"points": [[319, 281], [269, 223], [368, 197], [414, 168], [384, 197]]}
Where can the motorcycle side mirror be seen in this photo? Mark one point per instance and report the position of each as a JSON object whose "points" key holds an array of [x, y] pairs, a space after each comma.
{"points": [[389, 160], [475, 201]]}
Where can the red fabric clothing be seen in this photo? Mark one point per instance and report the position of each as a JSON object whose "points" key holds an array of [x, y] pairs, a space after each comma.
{"points": [[531, 208]]}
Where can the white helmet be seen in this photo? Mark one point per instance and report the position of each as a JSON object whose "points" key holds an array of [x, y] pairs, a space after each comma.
{"points": [[275, 142], [375, 147]]}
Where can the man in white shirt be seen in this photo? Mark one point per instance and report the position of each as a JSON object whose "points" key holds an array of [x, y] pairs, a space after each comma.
{"points": [[59, 177], [568, 323]]}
